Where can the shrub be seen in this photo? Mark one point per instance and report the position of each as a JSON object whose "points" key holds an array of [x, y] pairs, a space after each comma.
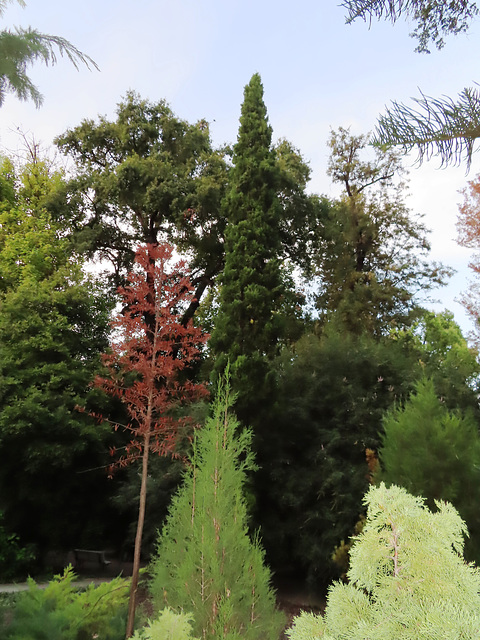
{"points": [[14, 559], [168, 626], [59, 612], [408, 580]]}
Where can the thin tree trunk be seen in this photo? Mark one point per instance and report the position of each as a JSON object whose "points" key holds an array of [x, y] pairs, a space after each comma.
{"points": [[132, 603], [151, 320]]}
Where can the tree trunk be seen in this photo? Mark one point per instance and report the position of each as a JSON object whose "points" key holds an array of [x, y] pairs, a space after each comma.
{"points": [[132, 603]]}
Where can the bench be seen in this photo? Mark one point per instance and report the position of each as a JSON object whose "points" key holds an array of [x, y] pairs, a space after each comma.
{"points": [[88, 556]]}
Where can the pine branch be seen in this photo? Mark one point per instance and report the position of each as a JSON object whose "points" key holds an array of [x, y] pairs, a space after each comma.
{"points": [[22, 48], [390, 9], [434, 18], [439, 127], [44, 46]]}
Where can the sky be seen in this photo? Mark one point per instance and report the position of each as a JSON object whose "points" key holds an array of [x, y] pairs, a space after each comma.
{"points": [[318, 74]]}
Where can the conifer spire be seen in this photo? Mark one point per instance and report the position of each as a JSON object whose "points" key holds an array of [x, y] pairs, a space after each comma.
{"points": [[249, 323]]}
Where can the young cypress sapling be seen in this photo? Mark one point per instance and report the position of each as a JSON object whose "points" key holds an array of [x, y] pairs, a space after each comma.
{"points": [[206, 562]]}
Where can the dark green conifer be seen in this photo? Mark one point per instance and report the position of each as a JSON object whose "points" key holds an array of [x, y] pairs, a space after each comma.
{"points": [[434, 452], [250, 321]]}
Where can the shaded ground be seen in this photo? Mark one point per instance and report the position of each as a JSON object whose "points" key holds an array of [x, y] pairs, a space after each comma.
{"points": [[294, 597]]}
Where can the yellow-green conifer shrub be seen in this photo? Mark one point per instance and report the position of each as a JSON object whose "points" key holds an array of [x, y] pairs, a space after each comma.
{"points": [[206, 562], [408, 579], [61, 612], [168, 626]]}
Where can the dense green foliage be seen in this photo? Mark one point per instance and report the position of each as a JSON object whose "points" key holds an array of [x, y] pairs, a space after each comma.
{"points": [[148, 177], [332, 392], [60, 612], [254, 295], [164, 477], [434, 453], [408, 579], [205, 560], [53, 323], [442, 353]]}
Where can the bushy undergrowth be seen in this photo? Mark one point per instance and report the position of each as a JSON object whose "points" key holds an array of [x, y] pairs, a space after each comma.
{"points": [[60, 612], [14, 558]]}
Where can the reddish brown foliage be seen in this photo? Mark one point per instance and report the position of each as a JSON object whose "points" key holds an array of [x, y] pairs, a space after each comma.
{"points": [[468, 224], [150, 350]]}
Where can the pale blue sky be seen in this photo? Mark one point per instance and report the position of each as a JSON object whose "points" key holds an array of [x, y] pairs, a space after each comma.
{"points": [[317, 73]]}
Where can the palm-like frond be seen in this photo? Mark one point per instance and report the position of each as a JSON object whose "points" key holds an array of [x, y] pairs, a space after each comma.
{"points": [[22, 47], [438, 127], [3, 4]]}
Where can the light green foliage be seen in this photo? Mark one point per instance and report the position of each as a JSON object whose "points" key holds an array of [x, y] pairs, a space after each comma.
{"points": [[408, 579], [206, 562], [60, 612], [168, 626], [435, 453], [444, 355], [33, 245]]}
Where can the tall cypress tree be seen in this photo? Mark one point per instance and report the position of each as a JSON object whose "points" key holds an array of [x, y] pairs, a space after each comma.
{"points": [[254, 293]]}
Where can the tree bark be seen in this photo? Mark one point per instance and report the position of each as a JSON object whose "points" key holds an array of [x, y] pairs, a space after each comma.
{"points": [[132, 603]]}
